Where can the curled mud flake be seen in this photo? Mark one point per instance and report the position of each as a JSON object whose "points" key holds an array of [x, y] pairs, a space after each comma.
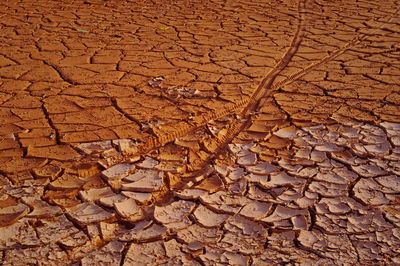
{"points": [[197, 233], [188, 194], [49, 229], [152, 253], [175, 212], [232, 258], [331, 178], [373, 139], [20, 233], [313, 239], [310, 140], [236, 173], [262, 168], [380, 149], [367, 250], [171, 166], [86, 170], [304, 153], [109, 230], [47, 171], [119, 171], [110, 254], [299, 222], [128, 208], [151, 181], [211, 256], [51, 253], [368, 170], [173, 248], [148, 233], [370, 222], [94, 194], [281, 179], [290, 194], [262, 180], [12, 214], [247, 158], [222, 170], [390, 182], [349, 132], [240, 149], [87, 213], [305, 202], [208, 218], [328, 189], [30, 191], [245, 226], [212, 184], [126, 146], [345, 173], [242, 235], [148, 163], [345, 157], [4, 181], [329, 147], [138, 196], [111, 200], [289, 166], [307, 172], [392, 126], [142, 173], [238, 187], [396, 140], [67, 181], [318, 156], [333, 205], [287, 132], [40, 208], [224, 203], [195, 246], [368, 130], [369, 191], [282, 213], [275, 142], [257, 193], [256, 210], [74, 240]]}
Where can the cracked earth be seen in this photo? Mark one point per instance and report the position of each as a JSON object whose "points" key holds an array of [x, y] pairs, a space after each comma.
{"points": [[199, 132]]}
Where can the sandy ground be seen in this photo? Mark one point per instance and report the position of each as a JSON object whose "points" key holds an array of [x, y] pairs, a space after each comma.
{"points": [[199, 132]]}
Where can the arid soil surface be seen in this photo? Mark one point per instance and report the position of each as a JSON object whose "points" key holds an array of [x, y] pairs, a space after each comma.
{"points": [[224, 132]]}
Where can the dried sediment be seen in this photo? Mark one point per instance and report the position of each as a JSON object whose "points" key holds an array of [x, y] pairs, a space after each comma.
{"points": [[245, 137]]}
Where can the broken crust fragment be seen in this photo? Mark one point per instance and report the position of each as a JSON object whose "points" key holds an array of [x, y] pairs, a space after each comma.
{"points": [[12, 214]]}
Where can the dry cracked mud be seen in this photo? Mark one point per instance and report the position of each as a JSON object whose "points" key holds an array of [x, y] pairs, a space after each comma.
{"points": [[199, 132]]}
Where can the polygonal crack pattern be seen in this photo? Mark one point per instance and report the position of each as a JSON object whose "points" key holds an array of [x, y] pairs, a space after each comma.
{"points": [[192, 133]]}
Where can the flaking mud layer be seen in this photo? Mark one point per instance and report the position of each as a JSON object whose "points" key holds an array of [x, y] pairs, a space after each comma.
{"points": [[184, 133]]}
